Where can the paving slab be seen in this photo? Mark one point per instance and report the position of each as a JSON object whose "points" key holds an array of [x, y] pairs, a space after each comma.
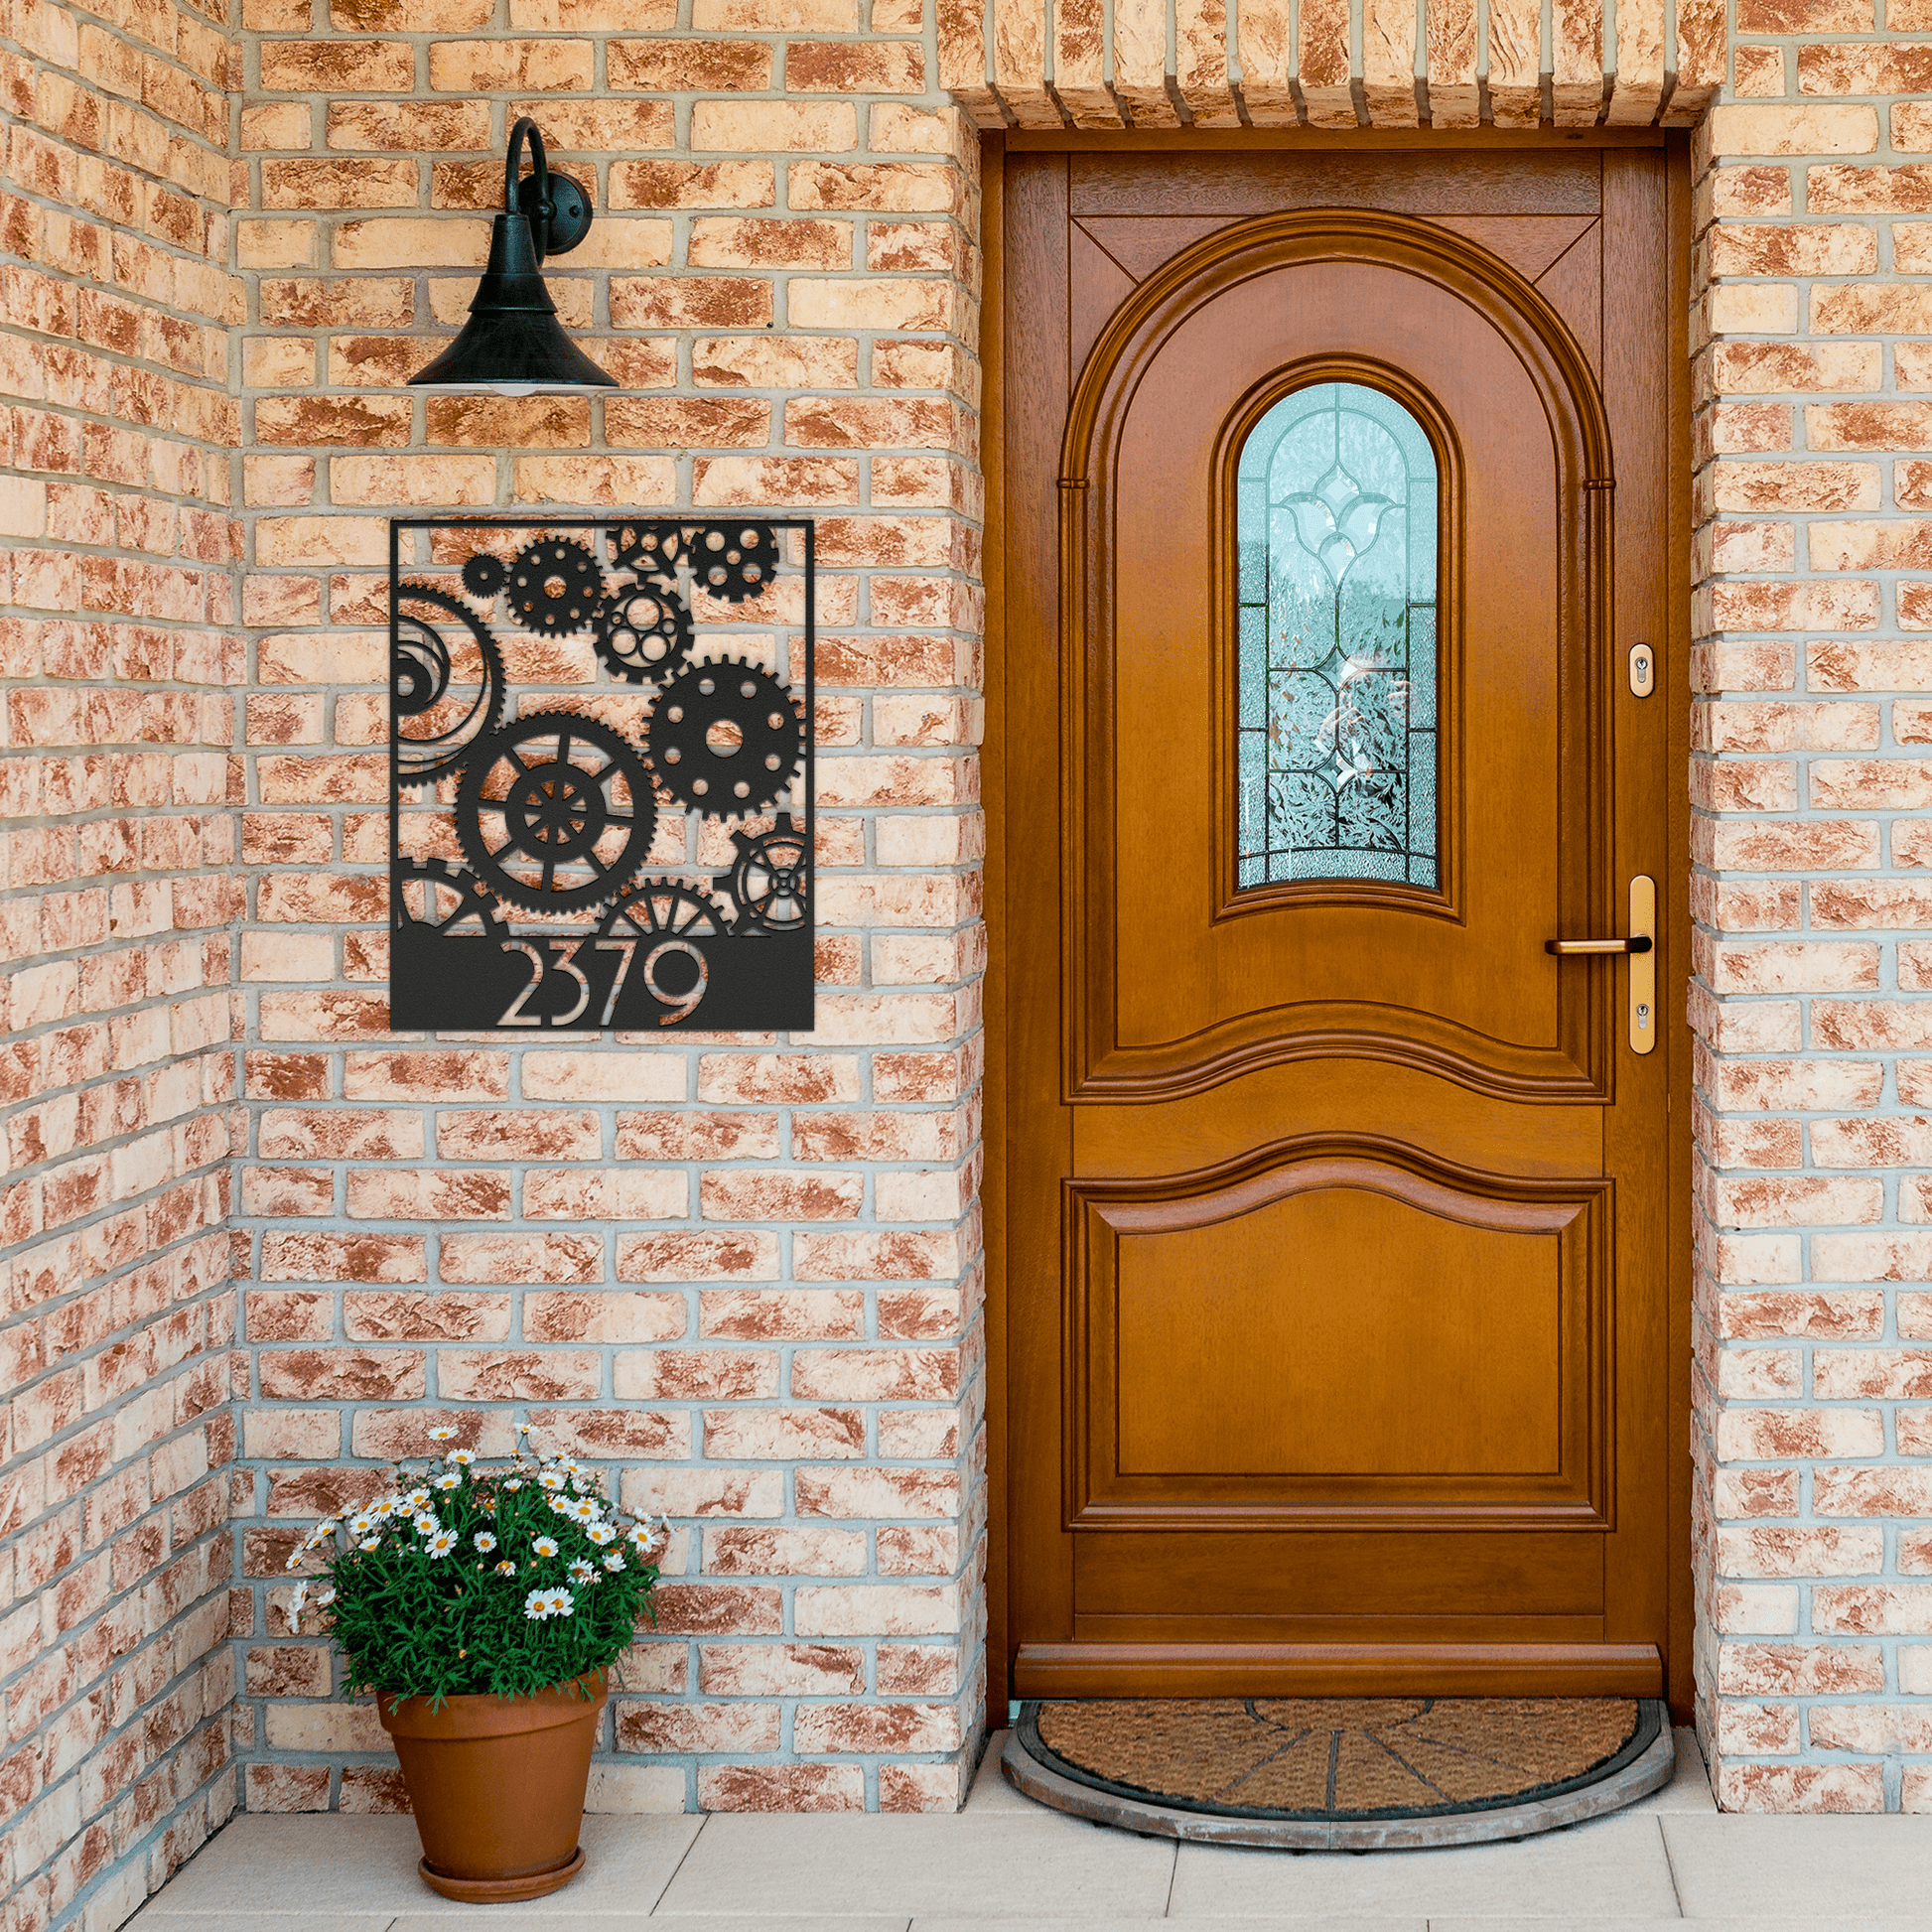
{"points": [[1349, 1923], [805, 1866], [1689, 1789], [991, 1792], [297, 1918], [324, 1863], [1787, 1866], [1615, 1869]]}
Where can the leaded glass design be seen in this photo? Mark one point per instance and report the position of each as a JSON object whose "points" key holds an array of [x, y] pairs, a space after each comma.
{"points": [[1337, 745]]}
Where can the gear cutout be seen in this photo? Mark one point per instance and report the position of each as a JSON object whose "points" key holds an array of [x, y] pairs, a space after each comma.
{"points": [[664, 909], [735, 561], [643, 632], [768, 883], [484, 575], [444, 695], [555, 588], [726, 738], [435, 893], [554, 812], [651, 549]]}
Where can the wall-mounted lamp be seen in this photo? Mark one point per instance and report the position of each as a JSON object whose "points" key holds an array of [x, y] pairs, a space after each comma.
{"points": [[513, 345]]}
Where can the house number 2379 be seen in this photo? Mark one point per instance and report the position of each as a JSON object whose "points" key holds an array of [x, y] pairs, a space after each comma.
{"points": [[622, 954]]}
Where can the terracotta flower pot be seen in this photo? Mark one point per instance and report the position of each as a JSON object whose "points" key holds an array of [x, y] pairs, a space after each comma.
{"points": [[498, 1786]]}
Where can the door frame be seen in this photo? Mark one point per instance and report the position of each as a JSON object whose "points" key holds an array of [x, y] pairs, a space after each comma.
{"points": [[1676, 910]]}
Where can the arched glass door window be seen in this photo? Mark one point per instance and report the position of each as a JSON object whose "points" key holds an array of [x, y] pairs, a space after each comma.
{"points": [[1336, 519]]}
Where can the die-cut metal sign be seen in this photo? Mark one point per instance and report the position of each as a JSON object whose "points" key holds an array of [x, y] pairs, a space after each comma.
{"points": [[601, 774]]}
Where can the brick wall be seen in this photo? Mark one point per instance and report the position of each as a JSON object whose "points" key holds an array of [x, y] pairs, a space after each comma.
{"points": [[1811, 785], [743, 1275], [117, 908]]}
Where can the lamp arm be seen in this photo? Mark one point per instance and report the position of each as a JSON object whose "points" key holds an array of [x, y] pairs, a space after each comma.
{"points": [[512, 171]]}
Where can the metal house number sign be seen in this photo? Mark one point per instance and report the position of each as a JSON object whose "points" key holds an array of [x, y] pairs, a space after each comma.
{"points": [[601, 774]]}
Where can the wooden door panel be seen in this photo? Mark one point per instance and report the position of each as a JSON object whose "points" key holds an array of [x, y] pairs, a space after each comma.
{"points": [[1339, 1336], [1336, 1238]]}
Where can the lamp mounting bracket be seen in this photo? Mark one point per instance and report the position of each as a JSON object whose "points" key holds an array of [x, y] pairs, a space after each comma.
{"points": [[570, 211]]}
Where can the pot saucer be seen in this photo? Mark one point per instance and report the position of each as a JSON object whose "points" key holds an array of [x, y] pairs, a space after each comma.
{"points": [[501, 1891]]}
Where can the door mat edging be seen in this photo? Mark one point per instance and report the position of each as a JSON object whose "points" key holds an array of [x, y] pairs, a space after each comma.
{"points": [[1649, 1726]]}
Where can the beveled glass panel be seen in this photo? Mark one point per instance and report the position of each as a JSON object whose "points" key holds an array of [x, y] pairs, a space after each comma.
{"points": [[1335, 712]]}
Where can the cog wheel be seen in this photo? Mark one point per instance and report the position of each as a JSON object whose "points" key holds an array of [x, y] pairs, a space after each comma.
{"points": [[555, 588], [735, 561], [483, 575], [651, 549], [664, 909], [435, 726], [726, 738], [433, 892], [554, 812], [643, 632], [768, 883]]}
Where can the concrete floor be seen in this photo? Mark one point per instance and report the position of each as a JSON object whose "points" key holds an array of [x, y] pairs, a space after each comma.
{"points": [[1669, 1858]]}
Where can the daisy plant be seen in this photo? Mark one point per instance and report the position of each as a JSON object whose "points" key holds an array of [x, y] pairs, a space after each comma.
{"points": [[472, 1578]]}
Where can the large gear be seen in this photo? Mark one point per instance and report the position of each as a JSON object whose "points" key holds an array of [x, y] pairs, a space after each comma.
{"points": [[735, 561], [433, 728], [554, 812], [770, 882], [651, 549], [433, 892], [554, 588], [643, 632], [726, 738]]}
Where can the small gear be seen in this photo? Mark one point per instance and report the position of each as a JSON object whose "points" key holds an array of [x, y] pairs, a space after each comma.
{"points": [[664, 909], [651, 549], [643, 632], [433, 892], [726, 738], [735, 561], [555, 588], [770, 882], [554, 812], [484, 575]]}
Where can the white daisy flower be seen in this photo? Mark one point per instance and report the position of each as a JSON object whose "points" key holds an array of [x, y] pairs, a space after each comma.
{"points": [[551, 1479], [601, 1533], [448, 1480], [442, 1543], [582, 1573], [296, 1602], [582, 1509], [515, 1482], [441, 1434], [426, 1523], [461, 1457], [295, 1560], [485, 1542], [561, 1603], [370, 1543], [614, 1560], [362, 1523], [545, 1546], [524, 1428], [387, 1506], [416, 1498], [639, 1536], [507, 1568], [536, 1606], [324, 1597]]}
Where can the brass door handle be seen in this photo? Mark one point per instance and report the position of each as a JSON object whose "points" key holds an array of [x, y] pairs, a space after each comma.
{"points": [[1642, 992]]}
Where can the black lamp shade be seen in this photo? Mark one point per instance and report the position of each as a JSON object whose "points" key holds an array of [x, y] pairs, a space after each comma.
{"points": [[513, 343]]}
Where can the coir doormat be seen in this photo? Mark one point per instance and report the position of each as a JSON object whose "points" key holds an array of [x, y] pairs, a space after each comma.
{"points": [[1362, 1762]]}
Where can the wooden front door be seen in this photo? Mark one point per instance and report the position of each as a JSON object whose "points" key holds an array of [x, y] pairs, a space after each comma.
{"points": [[1339, 1212]]}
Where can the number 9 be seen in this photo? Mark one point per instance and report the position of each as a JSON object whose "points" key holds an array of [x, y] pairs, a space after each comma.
{"points": [[681, 1004]]}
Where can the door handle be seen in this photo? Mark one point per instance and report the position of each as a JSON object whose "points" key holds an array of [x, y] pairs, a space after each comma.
{"points": [[1641, 947]]}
